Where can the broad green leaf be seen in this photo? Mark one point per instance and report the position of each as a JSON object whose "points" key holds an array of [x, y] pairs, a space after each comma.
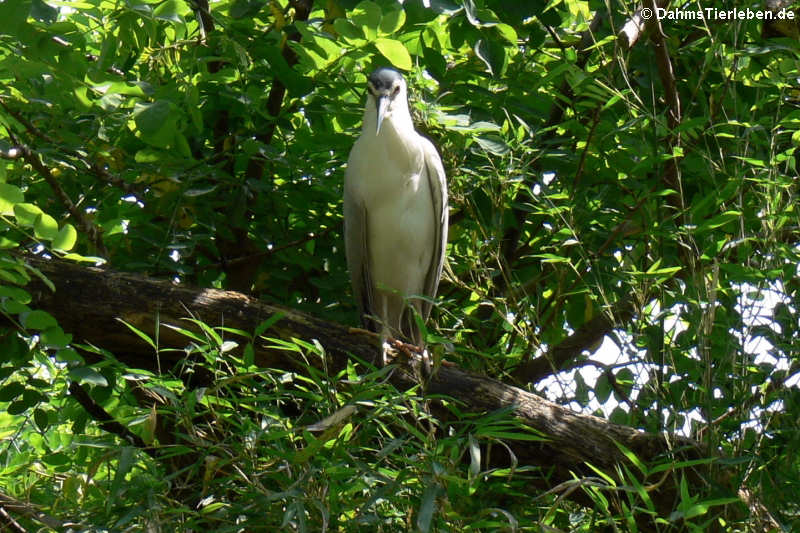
{"points": [[68, 355], [367, 16], [245, 8], [172, 10], [156, 122], [10, 195], [435, 63], [6, 243], [15, 293], [37, 320], [88, 376], [506, 32], [11, 391], [41, 418], [66, 238], [493, 55], [148, 155], [392, 21], [26, 213], [55, 338], [493, 145], [119, 87], [349, 31], [45, 227], [395, 52], [14, 15]]}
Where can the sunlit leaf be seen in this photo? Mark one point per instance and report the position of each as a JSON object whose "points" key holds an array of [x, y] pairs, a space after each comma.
{"points": [[395, 52]]}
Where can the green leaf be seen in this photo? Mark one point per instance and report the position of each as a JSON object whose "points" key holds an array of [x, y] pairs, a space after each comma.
{"points": [[245, 8], [602, 389], [68, 355], [43, 12], [9, 196], [493, 145], [156, 122], [45, 227], [506, 32], [493, 56], [66, 238], [26, 213], [15, 293], [11, 391], [427, 506], [367, 16], [126, 462], [395, 52], [55, 338], [84, 258], [14, 15], [37, 319], [348, 31], [392, 21], [18, 407], [141, 334], [435, 63], [88, 376], [172, 10], [41, 418]]}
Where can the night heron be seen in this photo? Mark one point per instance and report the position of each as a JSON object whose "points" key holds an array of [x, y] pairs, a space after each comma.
{"points": [[395, 213]]}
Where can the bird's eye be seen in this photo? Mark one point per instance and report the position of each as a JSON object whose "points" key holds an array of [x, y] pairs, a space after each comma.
{"points": [[395, 90]]}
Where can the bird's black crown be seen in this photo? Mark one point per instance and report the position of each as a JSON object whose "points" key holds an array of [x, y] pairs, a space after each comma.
{"points": [[384, 77]]}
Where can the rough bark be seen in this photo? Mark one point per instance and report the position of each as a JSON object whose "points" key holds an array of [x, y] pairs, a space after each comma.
{"points": [[90, 304]]}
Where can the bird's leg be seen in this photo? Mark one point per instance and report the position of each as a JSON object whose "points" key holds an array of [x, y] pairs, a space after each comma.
{"points": [[385, 333]]}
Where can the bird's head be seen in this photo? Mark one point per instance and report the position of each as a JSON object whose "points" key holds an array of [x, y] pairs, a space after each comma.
{"points": [[386, 90]]}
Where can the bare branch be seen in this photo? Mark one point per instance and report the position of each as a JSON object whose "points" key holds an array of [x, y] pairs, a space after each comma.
{"points": [[7, 503], [590, 333]]}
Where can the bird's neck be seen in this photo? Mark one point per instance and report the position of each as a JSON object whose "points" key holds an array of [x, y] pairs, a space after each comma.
{"points": [[397, 146], [398, 124]]}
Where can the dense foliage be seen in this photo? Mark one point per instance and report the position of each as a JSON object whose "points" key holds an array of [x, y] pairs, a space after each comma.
{"points": [[645, 194]]}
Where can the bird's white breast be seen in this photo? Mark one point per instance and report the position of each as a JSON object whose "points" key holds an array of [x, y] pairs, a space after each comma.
{"points": [[387, 174]]}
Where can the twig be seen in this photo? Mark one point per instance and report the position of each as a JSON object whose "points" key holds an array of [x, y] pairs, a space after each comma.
{"points": [[106, 421], [570, 348], [510, 240], [94, 233], [265, 253], [96, 169], [302, 9], [28, 510]]}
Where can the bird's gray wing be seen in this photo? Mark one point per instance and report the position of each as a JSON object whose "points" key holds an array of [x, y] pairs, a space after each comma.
{"points": [[438, 186], [357, 253]]}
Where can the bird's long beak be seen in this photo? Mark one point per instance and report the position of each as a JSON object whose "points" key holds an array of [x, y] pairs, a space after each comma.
{"points": [[382, 103]]}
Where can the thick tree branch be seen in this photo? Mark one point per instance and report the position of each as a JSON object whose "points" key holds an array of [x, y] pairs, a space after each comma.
{"points": [[89, 302], [569, 349]]}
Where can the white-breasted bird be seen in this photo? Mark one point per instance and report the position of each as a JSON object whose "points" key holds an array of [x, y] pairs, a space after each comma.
{"points": [[395, 213]]}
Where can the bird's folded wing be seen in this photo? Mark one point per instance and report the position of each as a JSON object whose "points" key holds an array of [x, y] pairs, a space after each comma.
{"points": [[357, 252], [438, 186]]}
